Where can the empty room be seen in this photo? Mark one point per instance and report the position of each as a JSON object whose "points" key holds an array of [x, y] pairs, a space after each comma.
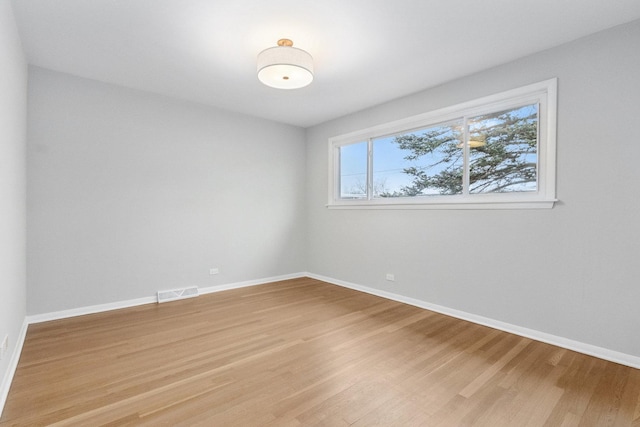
{"points": [[305, 213]]}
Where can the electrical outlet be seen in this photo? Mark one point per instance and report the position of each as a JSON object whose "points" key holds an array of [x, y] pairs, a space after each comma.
{"points": [[5, 346], [213, 271], [391, 277]]}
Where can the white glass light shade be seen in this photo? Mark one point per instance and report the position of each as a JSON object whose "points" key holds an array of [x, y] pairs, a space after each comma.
{"points": [[285, 67]]}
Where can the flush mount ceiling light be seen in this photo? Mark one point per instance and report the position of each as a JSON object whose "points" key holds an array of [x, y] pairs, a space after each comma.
{"points": [[285, 66]]}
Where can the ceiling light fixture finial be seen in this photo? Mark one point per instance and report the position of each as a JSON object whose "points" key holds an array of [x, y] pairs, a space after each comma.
{"points": [[285, 66], [285, 42]]}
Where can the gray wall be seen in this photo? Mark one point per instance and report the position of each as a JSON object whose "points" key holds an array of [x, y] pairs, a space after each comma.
{"points": [[130, 193], [13, 116], [572, 271]]}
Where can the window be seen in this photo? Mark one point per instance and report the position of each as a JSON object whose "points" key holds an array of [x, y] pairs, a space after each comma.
{"points": [[494, 152]]}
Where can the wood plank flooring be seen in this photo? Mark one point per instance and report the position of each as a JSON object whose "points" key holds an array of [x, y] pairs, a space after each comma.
{"points": [[305, 353]]}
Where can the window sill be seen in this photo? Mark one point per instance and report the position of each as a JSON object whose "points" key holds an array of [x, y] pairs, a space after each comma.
{"points": [[451, 205]]}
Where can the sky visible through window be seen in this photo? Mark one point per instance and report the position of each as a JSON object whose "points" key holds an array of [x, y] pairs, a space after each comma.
{"points": [[353, 171]]}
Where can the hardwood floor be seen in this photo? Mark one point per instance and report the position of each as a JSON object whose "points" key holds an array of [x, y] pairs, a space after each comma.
{"points": [[303, 352]]}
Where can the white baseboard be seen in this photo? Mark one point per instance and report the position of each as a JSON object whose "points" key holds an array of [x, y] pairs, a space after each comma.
{"points": [[5, 385], [580, 347], [247, 283], [56, 315], [81, 311]]}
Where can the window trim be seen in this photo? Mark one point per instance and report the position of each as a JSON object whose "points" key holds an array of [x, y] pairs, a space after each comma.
{"points": [[544, 93]]}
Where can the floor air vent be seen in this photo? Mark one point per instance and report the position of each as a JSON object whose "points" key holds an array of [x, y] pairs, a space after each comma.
{"points": [[174, 294]]}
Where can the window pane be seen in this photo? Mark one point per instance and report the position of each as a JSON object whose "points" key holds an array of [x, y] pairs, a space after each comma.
{"points": [[353, 171], [419, 163], [503, 151]]}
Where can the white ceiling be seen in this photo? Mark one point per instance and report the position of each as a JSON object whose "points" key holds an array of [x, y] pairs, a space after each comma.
{"points": [[366, 51]]}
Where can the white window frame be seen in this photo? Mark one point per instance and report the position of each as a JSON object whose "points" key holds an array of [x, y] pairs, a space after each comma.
{"points": [[543, 93]]}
